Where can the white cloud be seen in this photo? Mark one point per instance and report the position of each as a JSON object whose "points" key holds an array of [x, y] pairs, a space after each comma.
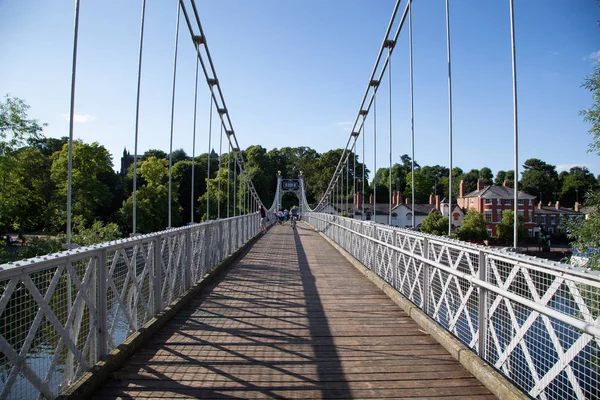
{"points": [[595, 56], [83, 118]]}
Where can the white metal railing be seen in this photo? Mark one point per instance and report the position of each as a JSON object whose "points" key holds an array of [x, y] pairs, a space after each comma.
{"points": [[535, 321], [61, 313]]}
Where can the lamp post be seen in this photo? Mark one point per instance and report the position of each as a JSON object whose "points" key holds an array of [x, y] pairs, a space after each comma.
{"points": [[577, 195]]}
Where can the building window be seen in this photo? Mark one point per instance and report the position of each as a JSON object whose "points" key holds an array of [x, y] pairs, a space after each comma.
{"points": [[394, 217], [455, 216], [488, 215], [489, 231], [521, 202], [522, 213], [488, 201], [550, 230], [552, 220], [498, 216], [507, 202], [471, 202]]}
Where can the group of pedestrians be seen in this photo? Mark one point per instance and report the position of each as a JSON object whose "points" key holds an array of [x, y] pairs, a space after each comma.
{"points": [[281, 216]]}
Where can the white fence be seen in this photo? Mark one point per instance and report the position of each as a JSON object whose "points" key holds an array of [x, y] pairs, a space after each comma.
{"points": [[535, 321], [61, 313]]}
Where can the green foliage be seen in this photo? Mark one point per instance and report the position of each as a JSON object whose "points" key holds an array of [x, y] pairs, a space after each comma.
{"points": [[152, 199], [92, 181], [501, 176], [15, 128], [474, 227], [592, 114], [505, 228], [98, 232], [585, 233], [539, 179], [35, 246], [423, 187], [435, 224]]}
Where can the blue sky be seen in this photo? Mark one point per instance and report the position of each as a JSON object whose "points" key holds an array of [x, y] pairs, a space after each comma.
{"points": [[293, 73]]}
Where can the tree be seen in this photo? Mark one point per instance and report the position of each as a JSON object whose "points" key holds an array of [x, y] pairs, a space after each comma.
{"points": [[93, 181], [470, 179], [152, 199], [422, 187], [539, 179], [575, 184], [592, 114], [407, 162], [585, 233], [474, 227], [182, 178], [486, 176], [179, 155], [502, 176], [154, 153], [505, 228], [15, 128], [435, 224]]}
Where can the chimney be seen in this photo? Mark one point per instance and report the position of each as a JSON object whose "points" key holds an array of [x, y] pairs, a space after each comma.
{"points": [[355, 202], [399, 201], [506, 183], [549, 204], [437, 202], [371, 199], [540, 205], [479, 184], [461, 189], [407, 200], [558, 205], [431, 198], [394, 198], [359, 199], [576, 208]]}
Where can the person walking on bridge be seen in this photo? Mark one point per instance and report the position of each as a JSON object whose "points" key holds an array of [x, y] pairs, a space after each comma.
{"points": [[263, 219]]}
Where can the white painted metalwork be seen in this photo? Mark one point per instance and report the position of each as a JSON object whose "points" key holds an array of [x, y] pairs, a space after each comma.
{"points": [[536, 321], [61, 313]]}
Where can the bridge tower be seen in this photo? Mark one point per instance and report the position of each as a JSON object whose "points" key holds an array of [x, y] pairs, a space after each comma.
{"points": [[290, 186]]}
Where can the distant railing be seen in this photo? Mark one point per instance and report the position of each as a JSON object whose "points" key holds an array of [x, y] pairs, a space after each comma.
{"points": [[535, 321], [61, 313]]}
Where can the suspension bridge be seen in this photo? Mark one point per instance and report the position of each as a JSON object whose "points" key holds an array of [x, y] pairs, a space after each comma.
{"points": [[337, 307]]}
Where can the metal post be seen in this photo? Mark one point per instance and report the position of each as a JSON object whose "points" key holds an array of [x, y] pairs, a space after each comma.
{"points": [[516, 125], [101, 305], [449, 114], [426, 268], [157, 275], [235, 186], [483, 311], [173, 114], [375, 155], [363, 173], [218, 173], [228, 178], [187, 277], [71, 116], [137, 118]]}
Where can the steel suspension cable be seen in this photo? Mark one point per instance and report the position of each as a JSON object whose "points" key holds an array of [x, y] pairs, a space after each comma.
{"points": [[71, 126], [209, 157], [173, 114], [228, 178], [375, 158], [137, 118], [235, 185], [390, 101], [218, 173], [362, 200], [515, 126], [354, 179], [412, 109], [192, 199], [449, 115]]}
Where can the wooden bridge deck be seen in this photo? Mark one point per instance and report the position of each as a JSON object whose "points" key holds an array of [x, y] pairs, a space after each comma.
{"points": [[292, 319]]}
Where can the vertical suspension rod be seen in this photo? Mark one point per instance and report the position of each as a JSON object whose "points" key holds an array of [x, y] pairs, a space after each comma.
{"points": [[516, 125], [173, 114], [192, 200], [137, 118], [218, 172], [449, 115], [71, 115], [208, 159], [412, 110], [390, 101]]}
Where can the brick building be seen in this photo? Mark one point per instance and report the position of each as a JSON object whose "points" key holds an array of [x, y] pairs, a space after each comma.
{"points": [[492, 200]]}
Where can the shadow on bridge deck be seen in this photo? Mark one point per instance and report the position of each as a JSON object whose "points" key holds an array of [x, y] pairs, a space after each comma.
{"points": [[292, 319]]}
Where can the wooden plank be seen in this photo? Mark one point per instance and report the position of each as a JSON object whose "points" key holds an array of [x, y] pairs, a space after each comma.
{"points": [[292, 319]]}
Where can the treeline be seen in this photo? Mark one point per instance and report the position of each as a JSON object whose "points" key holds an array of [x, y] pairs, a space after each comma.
{"points": [[33, 186]]}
